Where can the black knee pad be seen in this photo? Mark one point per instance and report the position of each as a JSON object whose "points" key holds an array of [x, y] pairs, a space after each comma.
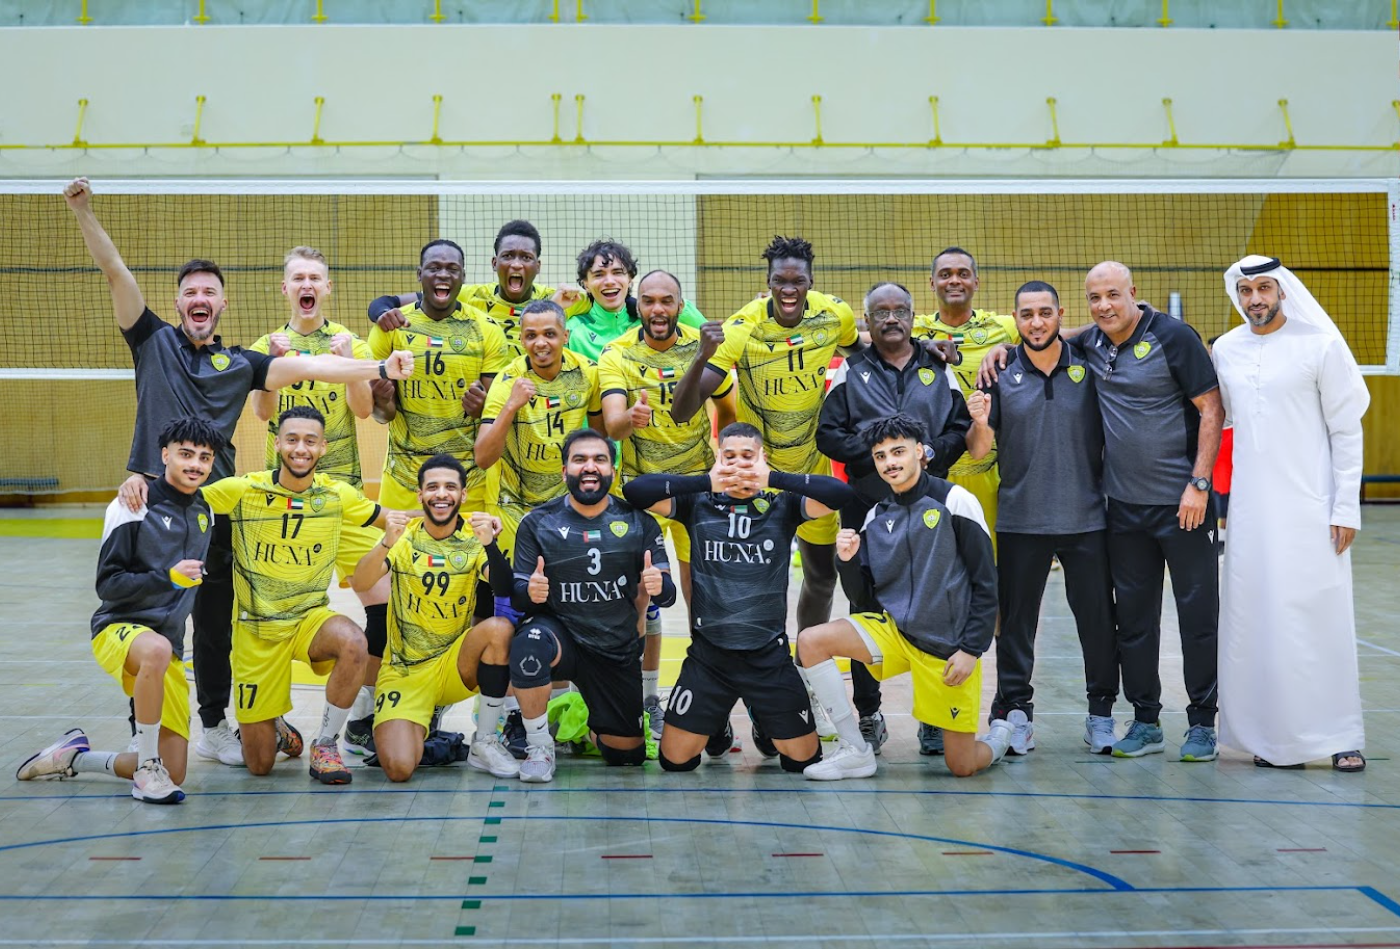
{"points": [[485, 602], [492, 679], [792, 765], [376, 629], [624, 756], [531, 654], [690, 765]]}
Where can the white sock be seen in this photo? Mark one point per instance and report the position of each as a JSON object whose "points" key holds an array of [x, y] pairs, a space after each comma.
{"points": [[96, 762], [332, 722], [489, 710], [364, 703], [537, 732], [998, 741], [513, 704], [825, 682], [147, 742], [651, 680]]}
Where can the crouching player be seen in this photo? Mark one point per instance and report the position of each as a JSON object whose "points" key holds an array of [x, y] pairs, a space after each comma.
{"points": [[741, 519], [435, 657], [149, 567], [925, 556], [581, 563]]}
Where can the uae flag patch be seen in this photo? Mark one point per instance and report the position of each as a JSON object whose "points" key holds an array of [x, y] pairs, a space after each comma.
{"points": [[434, 341], [552, 402], [666, 372], [794, 340], [589, 537], [295, 504], [435, 561]]}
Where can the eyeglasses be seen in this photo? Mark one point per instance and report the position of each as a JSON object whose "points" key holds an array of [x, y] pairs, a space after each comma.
{"points": [[880, 315], [1109, 363]]}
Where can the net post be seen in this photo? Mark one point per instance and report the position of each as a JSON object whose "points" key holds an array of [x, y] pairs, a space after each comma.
{"points": [[1394, 23], [817, 110], [555, 99], [816, 15], [699, 101], [1171, 123], [437, 15], [78, 141], [554, 16], [579, 15], [1395, 104], [1392, 337], [1279, 21], [320, 16], [198, 120], [1050, 19], [1054, 140], [1290, 142], [83, 18], [578, 119], [316, 122], [695, 15], [937, 131], [1165, 20], [436, 139], [932, 18]]}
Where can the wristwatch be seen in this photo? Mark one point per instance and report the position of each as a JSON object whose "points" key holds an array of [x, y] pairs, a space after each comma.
{"points": [[1200, 484]]}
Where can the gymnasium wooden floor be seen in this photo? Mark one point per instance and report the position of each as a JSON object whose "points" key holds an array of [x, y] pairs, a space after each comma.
{"points": [[1058, 848]]}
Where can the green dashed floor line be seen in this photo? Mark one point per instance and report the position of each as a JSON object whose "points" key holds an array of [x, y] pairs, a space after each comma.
{"points": [[469, 930]]}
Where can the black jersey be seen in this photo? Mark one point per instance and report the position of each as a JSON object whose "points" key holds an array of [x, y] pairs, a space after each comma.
{"points": [[739, 564], [594, 566]]}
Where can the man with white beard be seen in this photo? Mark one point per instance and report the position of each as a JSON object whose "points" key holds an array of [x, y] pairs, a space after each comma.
{"points": [[1289, 690]]}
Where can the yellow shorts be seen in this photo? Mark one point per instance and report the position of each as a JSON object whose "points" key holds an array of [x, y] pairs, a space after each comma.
{"points": [[983, 486], [111, 646], [262, 669], [954, 708], [821, 530], [412, 693], [398, 497], [680, 538], [355, 543]]}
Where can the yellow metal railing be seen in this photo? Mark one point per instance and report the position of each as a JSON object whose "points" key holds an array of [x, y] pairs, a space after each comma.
{"points": [[817, 141]]}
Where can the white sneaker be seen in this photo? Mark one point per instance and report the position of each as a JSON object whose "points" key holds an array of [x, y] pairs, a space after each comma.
{"points": [[538, 765], [998, 738], [56, 760], [134, 745], [220, 744], [1022, 732], [1099, 735], [489, 756], [847, 761], [152, 784]]}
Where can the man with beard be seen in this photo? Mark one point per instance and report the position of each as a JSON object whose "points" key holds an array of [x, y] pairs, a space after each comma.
{"points": [[180, 371], [894, 375], [582, 562], [459, 352], [286, 539], [743, 517], [606, 270], [436, 657], [1043, 413], [638, 373]]}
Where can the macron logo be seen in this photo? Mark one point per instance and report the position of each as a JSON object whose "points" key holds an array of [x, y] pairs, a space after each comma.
{"points": [[166, 519], [1018, 377], [564, 531], [889, 526], [865, 376], [804, 714]]}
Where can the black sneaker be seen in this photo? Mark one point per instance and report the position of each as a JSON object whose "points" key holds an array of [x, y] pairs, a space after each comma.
{"points": [[359, 736], [763, 744], [874, 731], [513, 735], [930, 739], [720, 744]]}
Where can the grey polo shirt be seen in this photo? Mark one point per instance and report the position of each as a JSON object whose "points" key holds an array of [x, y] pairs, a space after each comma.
{"points": [[1050, 445], [175, 378], [1145, 388]]}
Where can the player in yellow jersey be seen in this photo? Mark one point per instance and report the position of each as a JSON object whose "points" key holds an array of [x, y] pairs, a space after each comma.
{"points": [[539, 398], [436, 656], [286, 539], [307, 285], [516, 261], [639, 373], [458, 352]]}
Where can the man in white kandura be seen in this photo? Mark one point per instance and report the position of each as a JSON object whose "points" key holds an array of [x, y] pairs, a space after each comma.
{"points": [[1289, 690]]}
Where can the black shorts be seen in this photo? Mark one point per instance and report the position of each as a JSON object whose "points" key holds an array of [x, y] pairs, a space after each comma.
{"points": [[713, 678], [611, 688]]}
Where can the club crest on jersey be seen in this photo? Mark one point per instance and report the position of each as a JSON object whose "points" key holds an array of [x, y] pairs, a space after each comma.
{"points": [[1075, 373], [1141, 348], [590, 536], [318, 503], [457, 559], [821, 337], [459, 345], [203, 523], [574, 400], [932, 517], [926, 376], [219, 361], [979, 335], [619, 528], [762, 505]]}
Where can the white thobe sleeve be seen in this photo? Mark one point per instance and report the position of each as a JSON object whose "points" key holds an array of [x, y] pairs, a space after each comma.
{"points": [[1344, 399]]}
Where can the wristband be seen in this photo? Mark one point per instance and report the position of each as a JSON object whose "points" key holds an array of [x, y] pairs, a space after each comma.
{"points": [[383, 370], [382, 305]]}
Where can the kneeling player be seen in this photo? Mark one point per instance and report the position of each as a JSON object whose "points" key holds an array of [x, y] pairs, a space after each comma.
{"points": [[150, 564], [741, 519], [433, 658], [925, 555], [581, 562]]}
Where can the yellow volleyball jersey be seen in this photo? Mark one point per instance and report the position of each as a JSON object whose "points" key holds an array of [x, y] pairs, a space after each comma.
{"points": [[629, 365], [531, 461], [433, 591], [500, 311], [449, 355], [983, 330], [284, 544], [781, 373], [342, 458]]}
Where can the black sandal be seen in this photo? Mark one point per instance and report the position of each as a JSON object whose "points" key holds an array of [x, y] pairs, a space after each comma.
{"points": [[1266, 764], [1353, 754]]}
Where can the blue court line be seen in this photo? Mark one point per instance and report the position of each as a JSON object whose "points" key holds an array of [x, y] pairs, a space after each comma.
{"points": [[1113, 882], [795, 790]]}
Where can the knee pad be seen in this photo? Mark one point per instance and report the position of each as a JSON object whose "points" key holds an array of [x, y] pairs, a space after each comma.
{"points": [[531, 654], [376, 629], [623, 756], [689, 765], [492, 679], [793, 765]]}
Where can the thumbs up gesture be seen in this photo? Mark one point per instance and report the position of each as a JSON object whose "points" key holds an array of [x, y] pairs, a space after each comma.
{"points": [[539, 584], [651, 576], [641, 412]]}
